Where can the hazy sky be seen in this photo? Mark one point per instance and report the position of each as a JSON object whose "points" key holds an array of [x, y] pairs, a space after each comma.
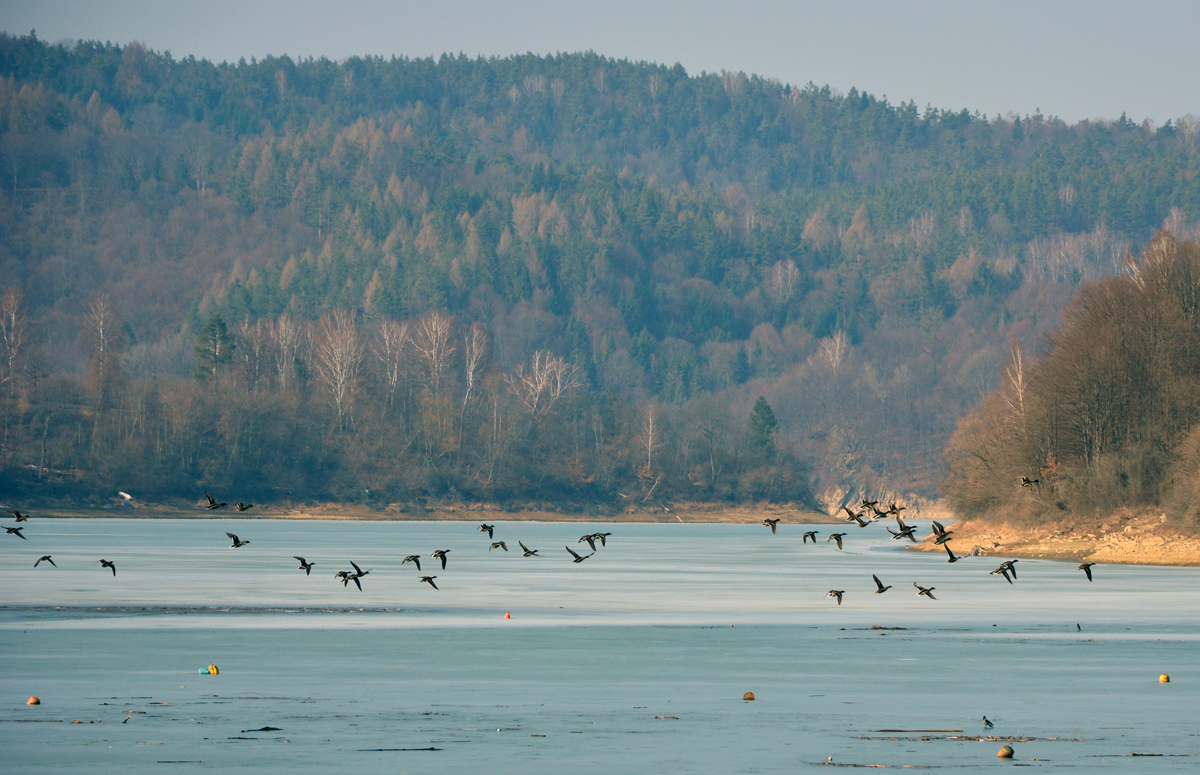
{"points": [[1074, 59]]}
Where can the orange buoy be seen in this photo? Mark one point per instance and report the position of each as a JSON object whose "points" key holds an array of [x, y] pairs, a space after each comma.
{"points": [[1164, 679], [33, 701], [748, 696], [508, 614], [1005, 752]]}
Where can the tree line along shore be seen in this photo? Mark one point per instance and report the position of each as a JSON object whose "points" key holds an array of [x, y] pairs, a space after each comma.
{"points": [[581, 282]]}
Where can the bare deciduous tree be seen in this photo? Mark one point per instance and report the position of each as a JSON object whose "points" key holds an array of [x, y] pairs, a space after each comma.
{"points": [[391, 348], [476, 345], [1068, 197], [254, 340], [14, 325], [734, 83], [289, 338], [534, 84], [654, 83], [921, 226], [782, 279], [539, 387], [1016, 382], [833, 350], [101, 323], [600, 80], [1189, 128], [650, 438], [199, 157], [338, 356], [433, 341], [558, 87]]}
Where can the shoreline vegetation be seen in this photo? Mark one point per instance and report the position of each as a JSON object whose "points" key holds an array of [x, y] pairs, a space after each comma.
{"points": [[1126, 537]]}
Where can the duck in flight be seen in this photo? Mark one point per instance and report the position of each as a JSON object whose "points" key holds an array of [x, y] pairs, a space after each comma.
{"points": [[243, 506], [15, 531], [879, 586], [941, 533], [837, 593], [304, 566], [1006, 568], [771, 523], [1087, 569], [44, 558], [591, 540], [498, 545], [212, 502], [579, 557], [836, 537], [924, 591], [414, 559], [485, 528], [952, 557], [528, 552], [810, 534], [440, 554], [602, 538], [346, 576], [110, 565], [850, 514], [18, 516], [429, 580], [905, 532], [237, 543]]}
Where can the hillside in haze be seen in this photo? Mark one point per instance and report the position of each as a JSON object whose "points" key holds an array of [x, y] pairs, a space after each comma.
{"points": [[565, 278]]}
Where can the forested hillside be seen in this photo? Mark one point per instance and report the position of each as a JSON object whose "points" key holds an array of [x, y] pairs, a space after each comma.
{"points": [[1109, 418], [563, 278]]}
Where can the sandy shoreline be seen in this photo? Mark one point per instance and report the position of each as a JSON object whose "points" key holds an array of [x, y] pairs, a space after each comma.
{"points": [[1126, 537]]}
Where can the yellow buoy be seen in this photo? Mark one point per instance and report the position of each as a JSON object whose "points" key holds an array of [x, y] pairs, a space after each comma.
{"points": [[1005, 752], [1164, 679], [33, 701], [212, 670]]}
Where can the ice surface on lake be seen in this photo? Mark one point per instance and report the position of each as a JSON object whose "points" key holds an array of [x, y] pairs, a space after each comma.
{"points": [[595, 652]]}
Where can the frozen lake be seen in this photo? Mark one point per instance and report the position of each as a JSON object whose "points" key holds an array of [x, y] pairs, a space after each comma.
{"points": [[632, 661]]}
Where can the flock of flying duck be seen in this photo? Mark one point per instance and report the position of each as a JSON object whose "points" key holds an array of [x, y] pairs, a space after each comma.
{"points": [[345, 576], [867, 513]]}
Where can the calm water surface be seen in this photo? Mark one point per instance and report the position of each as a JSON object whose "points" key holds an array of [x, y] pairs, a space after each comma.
{"points": [[632, 661]]}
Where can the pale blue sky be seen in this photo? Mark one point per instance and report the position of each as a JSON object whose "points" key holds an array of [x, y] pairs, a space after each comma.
{"points": [[1075, 59]]}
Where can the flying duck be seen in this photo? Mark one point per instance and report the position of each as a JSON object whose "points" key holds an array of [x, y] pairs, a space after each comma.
{"points": [[579, 557]]}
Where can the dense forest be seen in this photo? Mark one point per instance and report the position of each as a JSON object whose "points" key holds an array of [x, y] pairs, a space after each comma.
{"points": [[585, 281], [1110, 417]]}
